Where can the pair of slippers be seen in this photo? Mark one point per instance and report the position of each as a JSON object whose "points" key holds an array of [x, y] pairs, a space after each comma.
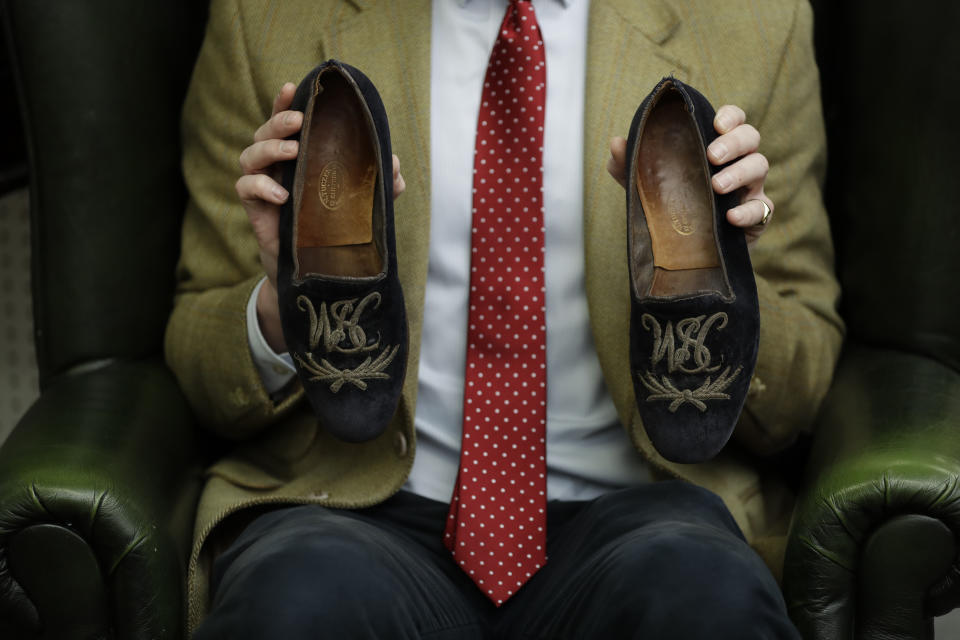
{"points": [[694, 322]]}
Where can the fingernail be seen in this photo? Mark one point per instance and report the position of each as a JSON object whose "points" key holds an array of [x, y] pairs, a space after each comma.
{"points": [[288, 119], [718, 151], [724, 124], [280, 193], [723, 181], [738, 217], [289, 146]]}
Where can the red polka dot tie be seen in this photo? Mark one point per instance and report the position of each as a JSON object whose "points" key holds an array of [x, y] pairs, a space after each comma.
{"points": [[497, 523]]}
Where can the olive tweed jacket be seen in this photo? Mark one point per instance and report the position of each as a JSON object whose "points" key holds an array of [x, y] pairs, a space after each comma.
{"points": [[758, 55]]}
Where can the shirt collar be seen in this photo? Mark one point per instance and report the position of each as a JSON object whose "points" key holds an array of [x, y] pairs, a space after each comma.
{"points": [[565, 3]]}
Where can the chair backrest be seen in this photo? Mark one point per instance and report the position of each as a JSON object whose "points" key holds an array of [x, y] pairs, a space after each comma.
{"points": [[101, 83], [892, 104]]}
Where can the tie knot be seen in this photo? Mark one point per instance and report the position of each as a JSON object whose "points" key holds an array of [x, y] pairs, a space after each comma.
{"points": [[519, 16]]}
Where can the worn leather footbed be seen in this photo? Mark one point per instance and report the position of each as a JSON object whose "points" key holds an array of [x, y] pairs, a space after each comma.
{"points": [[673, 182], [338, 167]]}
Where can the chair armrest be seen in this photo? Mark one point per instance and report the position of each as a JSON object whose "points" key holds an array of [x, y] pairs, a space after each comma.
{"points": [[883, 474], [102, 473]]}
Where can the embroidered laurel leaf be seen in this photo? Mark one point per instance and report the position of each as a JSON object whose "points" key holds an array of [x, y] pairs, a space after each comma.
{"points": [[652, 385], [664, 389], [715, 390], [369, 369], [670, 386]]}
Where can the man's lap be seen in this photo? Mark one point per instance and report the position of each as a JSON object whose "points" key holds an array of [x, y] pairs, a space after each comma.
{"points": [[659, 560], [309, 571]]}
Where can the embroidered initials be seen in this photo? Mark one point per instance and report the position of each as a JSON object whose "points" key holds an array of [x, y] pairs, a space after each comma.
{"points": [[691, 334], [342, 324]]}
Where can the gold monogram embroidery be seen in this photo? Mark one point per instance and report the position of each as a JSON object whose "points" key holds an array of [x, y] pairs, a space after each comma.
{"points": [[691, 335], [343, 323], [338, 330]]}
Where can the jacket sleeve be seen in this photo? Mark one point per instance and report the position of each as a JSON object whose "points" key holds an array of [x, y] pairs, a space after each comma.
{"points": [[207, 343], [800, 330]]}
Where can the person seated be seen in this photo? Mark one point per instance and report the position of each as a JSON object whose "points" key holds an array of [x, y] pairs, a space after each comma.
{"points": [[301, 534]]}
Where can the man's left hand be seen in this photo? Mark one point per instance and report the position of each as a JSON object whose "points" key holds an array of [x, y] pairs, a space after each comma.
{"points": [[737, 142]]}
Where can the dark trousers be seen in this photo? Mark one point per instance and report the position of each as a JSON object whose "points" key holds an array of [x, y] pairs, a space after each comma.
{"points": [[660, 561]]}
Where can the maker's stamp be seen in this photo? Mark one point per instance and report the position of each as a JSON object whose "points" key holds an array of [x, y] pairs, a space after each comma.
{"points": [[331, 185]]}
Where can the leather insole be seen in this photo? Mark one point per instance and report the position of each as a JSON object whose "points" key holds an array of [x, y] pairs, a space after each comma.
{"points": [[334, 234], [674, 189]]}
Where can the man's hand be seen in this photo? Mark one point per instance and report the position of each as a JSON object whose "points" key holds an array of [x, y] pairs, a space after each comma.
{"points": [[738, 141], [262, 197]]}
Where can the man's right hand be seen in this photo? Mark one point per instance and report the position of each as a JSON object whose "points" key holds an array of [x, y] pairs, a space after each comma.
{"points": [[262, 197]]}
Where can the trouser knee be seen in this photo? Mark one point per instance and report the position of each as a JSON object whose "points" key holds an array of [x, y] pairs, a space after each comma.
{"points": [[325, 584], [701, 583]]}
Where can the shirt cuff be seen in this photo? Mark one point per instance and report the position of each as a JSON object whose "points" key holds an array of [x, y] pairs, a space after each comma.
{"points": [[276, 369]]}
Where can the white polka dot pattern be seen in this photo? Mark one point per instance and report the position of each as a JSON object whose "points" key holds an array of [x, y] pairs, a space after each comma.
{"points": [[497, 523]]}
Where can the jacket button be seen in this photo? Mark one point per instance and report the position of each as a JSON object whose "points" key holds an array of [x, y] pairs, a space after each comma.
{"points": [[756, 387], [400, 444], [240, 398]]}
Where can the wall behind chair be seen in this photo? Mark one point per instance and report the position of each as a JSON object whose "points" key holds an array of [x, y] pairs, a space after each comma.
{"points": [[18, 368]]}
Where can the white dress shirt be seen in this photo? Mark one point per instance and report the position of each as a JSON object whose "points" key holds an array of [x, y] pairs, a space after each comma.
{"points": [[588, 452]]}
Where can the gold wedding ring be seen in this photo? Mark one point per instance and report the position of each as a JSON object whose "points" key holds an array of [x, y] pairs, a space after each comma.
{"points": [[766, 212]]}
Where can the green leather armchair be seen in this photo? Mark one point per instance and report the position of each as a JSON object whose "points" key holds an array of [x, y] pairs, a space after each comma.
{"points": [[99, 480], [873, 548]]}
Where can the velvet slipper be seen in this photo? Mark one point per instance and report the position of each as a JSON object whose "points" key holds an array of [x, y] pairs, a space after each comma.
{"points": [[694, 319], [341, 305]]}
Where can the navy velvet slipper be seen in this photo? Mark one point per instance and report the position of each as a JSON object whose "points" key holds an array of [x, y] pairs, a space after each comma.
{"points": [[694, 323], [341, 305]]}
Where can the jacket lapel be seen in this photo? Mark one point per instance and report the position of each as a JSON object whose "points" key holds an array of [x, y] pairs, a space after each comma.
{"points": [[390, 42], [628, 52]]}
